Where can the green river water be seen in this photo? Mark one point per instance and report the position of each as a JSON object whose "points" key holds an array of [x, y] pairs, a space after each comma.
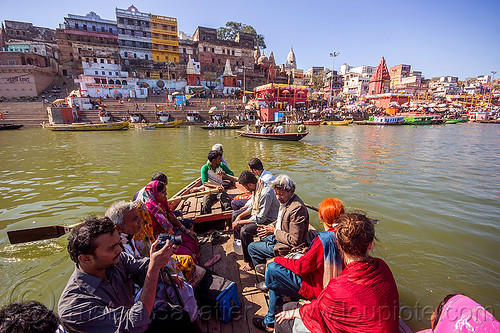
{"points": [[434, 189]]}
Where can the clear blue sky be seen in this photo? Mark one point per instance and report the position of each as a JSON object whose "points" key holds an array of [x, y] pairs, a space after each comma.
{"points": [[438, 37]]}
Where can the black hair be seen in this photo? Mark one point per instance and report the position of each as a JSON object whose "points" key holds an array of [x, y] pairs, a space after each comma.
{"points": [[82, 239], [161, 177], [247, 177], [439, 309], [160, 187], [27, 317], [213, 155], [255, 164]]}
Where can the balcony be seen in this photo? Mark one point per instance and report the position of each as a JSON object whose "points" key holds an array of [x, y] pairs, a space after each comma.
{"points": [[158, 41]]}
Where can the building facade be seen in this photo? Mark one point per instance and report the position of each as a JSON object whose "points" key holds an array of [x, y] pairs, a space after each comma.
{"points": [[134, 34], [164, 38]]}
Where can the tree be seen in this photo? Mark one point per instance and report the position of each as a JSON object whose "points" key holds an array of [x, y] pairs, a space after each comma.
{"points": [[318, 81], [230, 31]]}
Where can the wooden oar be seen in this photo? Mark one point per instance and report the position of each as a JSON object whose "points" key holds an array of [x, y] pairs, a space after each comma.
{"points": [[196, 194], [55, 231], [38, 233], [311, 207]]}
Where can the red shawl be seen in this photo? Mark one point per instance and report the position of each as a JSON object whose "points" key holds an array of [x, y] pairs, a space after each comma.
{"points": [[364, 298]]}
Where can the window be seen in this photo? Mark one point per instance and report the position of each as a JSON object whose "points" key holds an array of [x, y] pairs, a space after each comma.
{"points": [[102, 61], [158, 58], [232, 52], [173, 76], [111, 30], [204, 68], [147, 74], [144, 34], [185, 60], [103, 29], [12, 61], [223, 51], [213, 68], [123, 31], [125, 54], [84, 27], [213, 60], [204, 49], [116, 73], [161, 75], [135, 55], [120, 20], [18, 32], [132, 33], [184, 50], [96, 72], [146, 57], [213, 49], [103, 73], [236, 62], [218, 60]]}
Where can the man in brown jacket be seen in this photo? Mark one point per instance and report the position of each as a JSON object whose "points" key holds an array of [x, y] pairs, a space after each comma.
{"points": [[290, 229]]}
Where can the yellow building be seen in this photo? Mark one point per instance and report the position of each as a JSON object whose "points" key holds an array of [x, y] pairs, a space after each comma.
{"points": [[164, 38]]}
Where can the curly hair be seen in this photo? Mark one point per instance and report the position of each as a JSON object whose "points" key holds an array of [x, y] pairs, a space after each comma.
{"points": [[27, 317], [355, 232], [329, 210], [82, 239]]}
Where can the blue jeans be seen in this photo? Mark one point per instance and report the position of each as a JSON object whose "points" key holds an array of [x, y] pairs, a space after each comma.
{"points": [[281, 282], [262, 250]]}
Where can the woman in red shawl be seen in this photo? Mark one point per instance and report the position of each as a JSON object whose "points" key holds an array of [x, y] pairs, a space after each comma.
{"points": [[164, 221], [364, 298]]}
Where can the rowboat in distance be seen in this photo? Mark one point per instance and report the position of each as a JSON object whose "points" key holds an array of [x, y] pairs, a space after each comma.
{"points": [[140, 126], [382, 120], [169, 124], [191, 207], [87, 126], [10, 126], [222, 127], [312, 122], [338, 122], [274, 136], [418, 120]]}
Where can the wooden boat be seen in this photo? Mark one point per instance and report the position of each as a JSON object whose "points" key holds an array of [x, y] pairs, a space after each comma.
{"points": [[191, 207], [87, 126], [140, 126], [418, 120], [274, 136], [9, 126], [452, 121], [382, 120], [312, 122], [169, 124], [222, 127], [437, 120], [338, 122]]}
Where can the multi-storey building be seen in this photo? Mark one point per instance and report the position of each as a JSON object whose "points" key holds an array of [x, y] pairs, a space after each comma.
{"points": [[164, 38], [86, 36], [356, 79], [397, 73], [447, 85], [15, 30], [134, 33]]}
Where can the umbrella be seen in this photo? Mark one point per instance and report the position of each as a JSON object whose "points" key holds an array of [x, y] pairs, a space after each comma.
{"points": [[58, 101], [212, 109], [393, 104], [285, 91], [175, 93], [313, 111]]}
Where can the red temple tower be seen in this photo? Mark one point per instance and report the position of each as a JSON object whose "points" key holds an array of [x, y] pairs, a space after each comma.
{"points": [[380, 80]]}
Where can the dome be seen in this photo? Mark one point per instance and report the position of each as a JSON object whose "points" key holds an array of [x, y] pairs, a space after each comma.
{"points": [[263, 60]]}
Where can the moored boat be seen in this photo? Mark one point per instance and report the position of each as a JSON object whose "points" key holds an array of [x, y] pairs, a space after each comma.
{"points": [[140, 126], [274, 136], [169, 124], [222, 127], [382, 120], [312, 122], [338, 122], [418, 120], [87, 126], [452, 121], [10, 126]]}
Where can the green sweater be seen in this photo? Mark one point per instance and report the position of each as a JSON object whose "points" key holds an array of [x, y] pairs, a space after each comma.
{"points": [[207, 173]]}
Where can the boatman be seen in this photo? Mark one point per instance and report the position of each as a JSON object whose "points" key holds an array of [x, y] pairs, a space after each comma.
{"points": [[99, 296], [213, 175]]}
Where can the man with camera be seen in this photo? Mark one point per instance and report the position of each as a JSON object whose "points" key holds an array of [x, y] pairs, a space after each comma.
{"points": [[99, 296]]}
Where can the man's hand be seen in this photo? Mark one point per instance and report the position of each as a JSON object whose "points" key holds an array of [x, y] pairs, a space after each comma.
{"points": [[265, 230], [289, 314], [158, 259], [221, 173], [178, 280]]}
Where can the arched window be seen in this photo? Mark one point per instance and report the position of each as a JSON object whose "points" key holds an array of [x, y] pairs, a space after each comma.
{"points": [[117, 82], [124, 82], [111, 82]]}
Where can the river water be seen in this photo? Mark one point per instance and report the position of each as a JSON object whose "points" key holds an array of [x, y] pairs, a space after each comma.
{"points": [[434, 189]]}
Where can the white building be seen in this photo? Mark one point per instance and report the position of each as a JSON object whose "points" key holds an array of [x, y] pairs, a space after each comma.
{"points": [[356, 85]]}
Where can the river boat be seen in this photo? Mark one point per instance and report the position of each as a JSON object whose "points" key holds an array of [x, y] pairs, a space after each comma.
{"points": [[87, 126], [191, 207], [274, 136], [452, 121], [312, 122], [382, 120], [222, 127], [418, 120], [437, 120], [9, 126], [338, 122], [140, 126], [169, 124]]}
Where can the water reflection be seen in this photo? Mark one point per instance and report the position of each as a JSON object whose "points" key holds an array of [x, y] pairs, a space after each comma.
{"points": [[435, 190]]}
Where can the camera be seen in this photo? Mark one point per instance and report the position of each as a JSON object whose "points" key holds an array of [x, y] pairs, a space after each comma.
{"points": [[162, 240]]}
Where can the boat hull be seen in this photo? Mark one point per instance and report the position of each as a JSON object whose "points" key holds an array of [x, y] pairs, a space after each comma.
{"points": [[338, 123], [10, 126], [312, 122], [87, 127], [222, 127], [281, 137], [170, 124]]}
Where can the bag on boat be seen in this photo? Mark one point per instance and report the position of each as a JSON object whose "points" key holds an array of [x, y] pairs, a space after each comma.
{"points": [[218, 296]]}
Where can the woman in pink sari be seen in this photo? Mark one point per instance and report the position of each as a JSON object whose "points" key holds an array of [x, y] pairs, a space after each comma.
{"points": [[460, 314], [164, 221]]}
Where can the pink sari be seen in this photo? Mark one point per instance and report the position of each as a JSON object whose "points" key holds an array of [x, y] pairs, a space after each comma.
{"points": [[158, 211], [463, 315]]}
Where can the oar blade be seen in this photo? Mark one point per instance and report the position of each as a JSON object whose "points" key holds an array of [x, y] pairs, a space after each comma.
{"points": [[36, 234]]}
